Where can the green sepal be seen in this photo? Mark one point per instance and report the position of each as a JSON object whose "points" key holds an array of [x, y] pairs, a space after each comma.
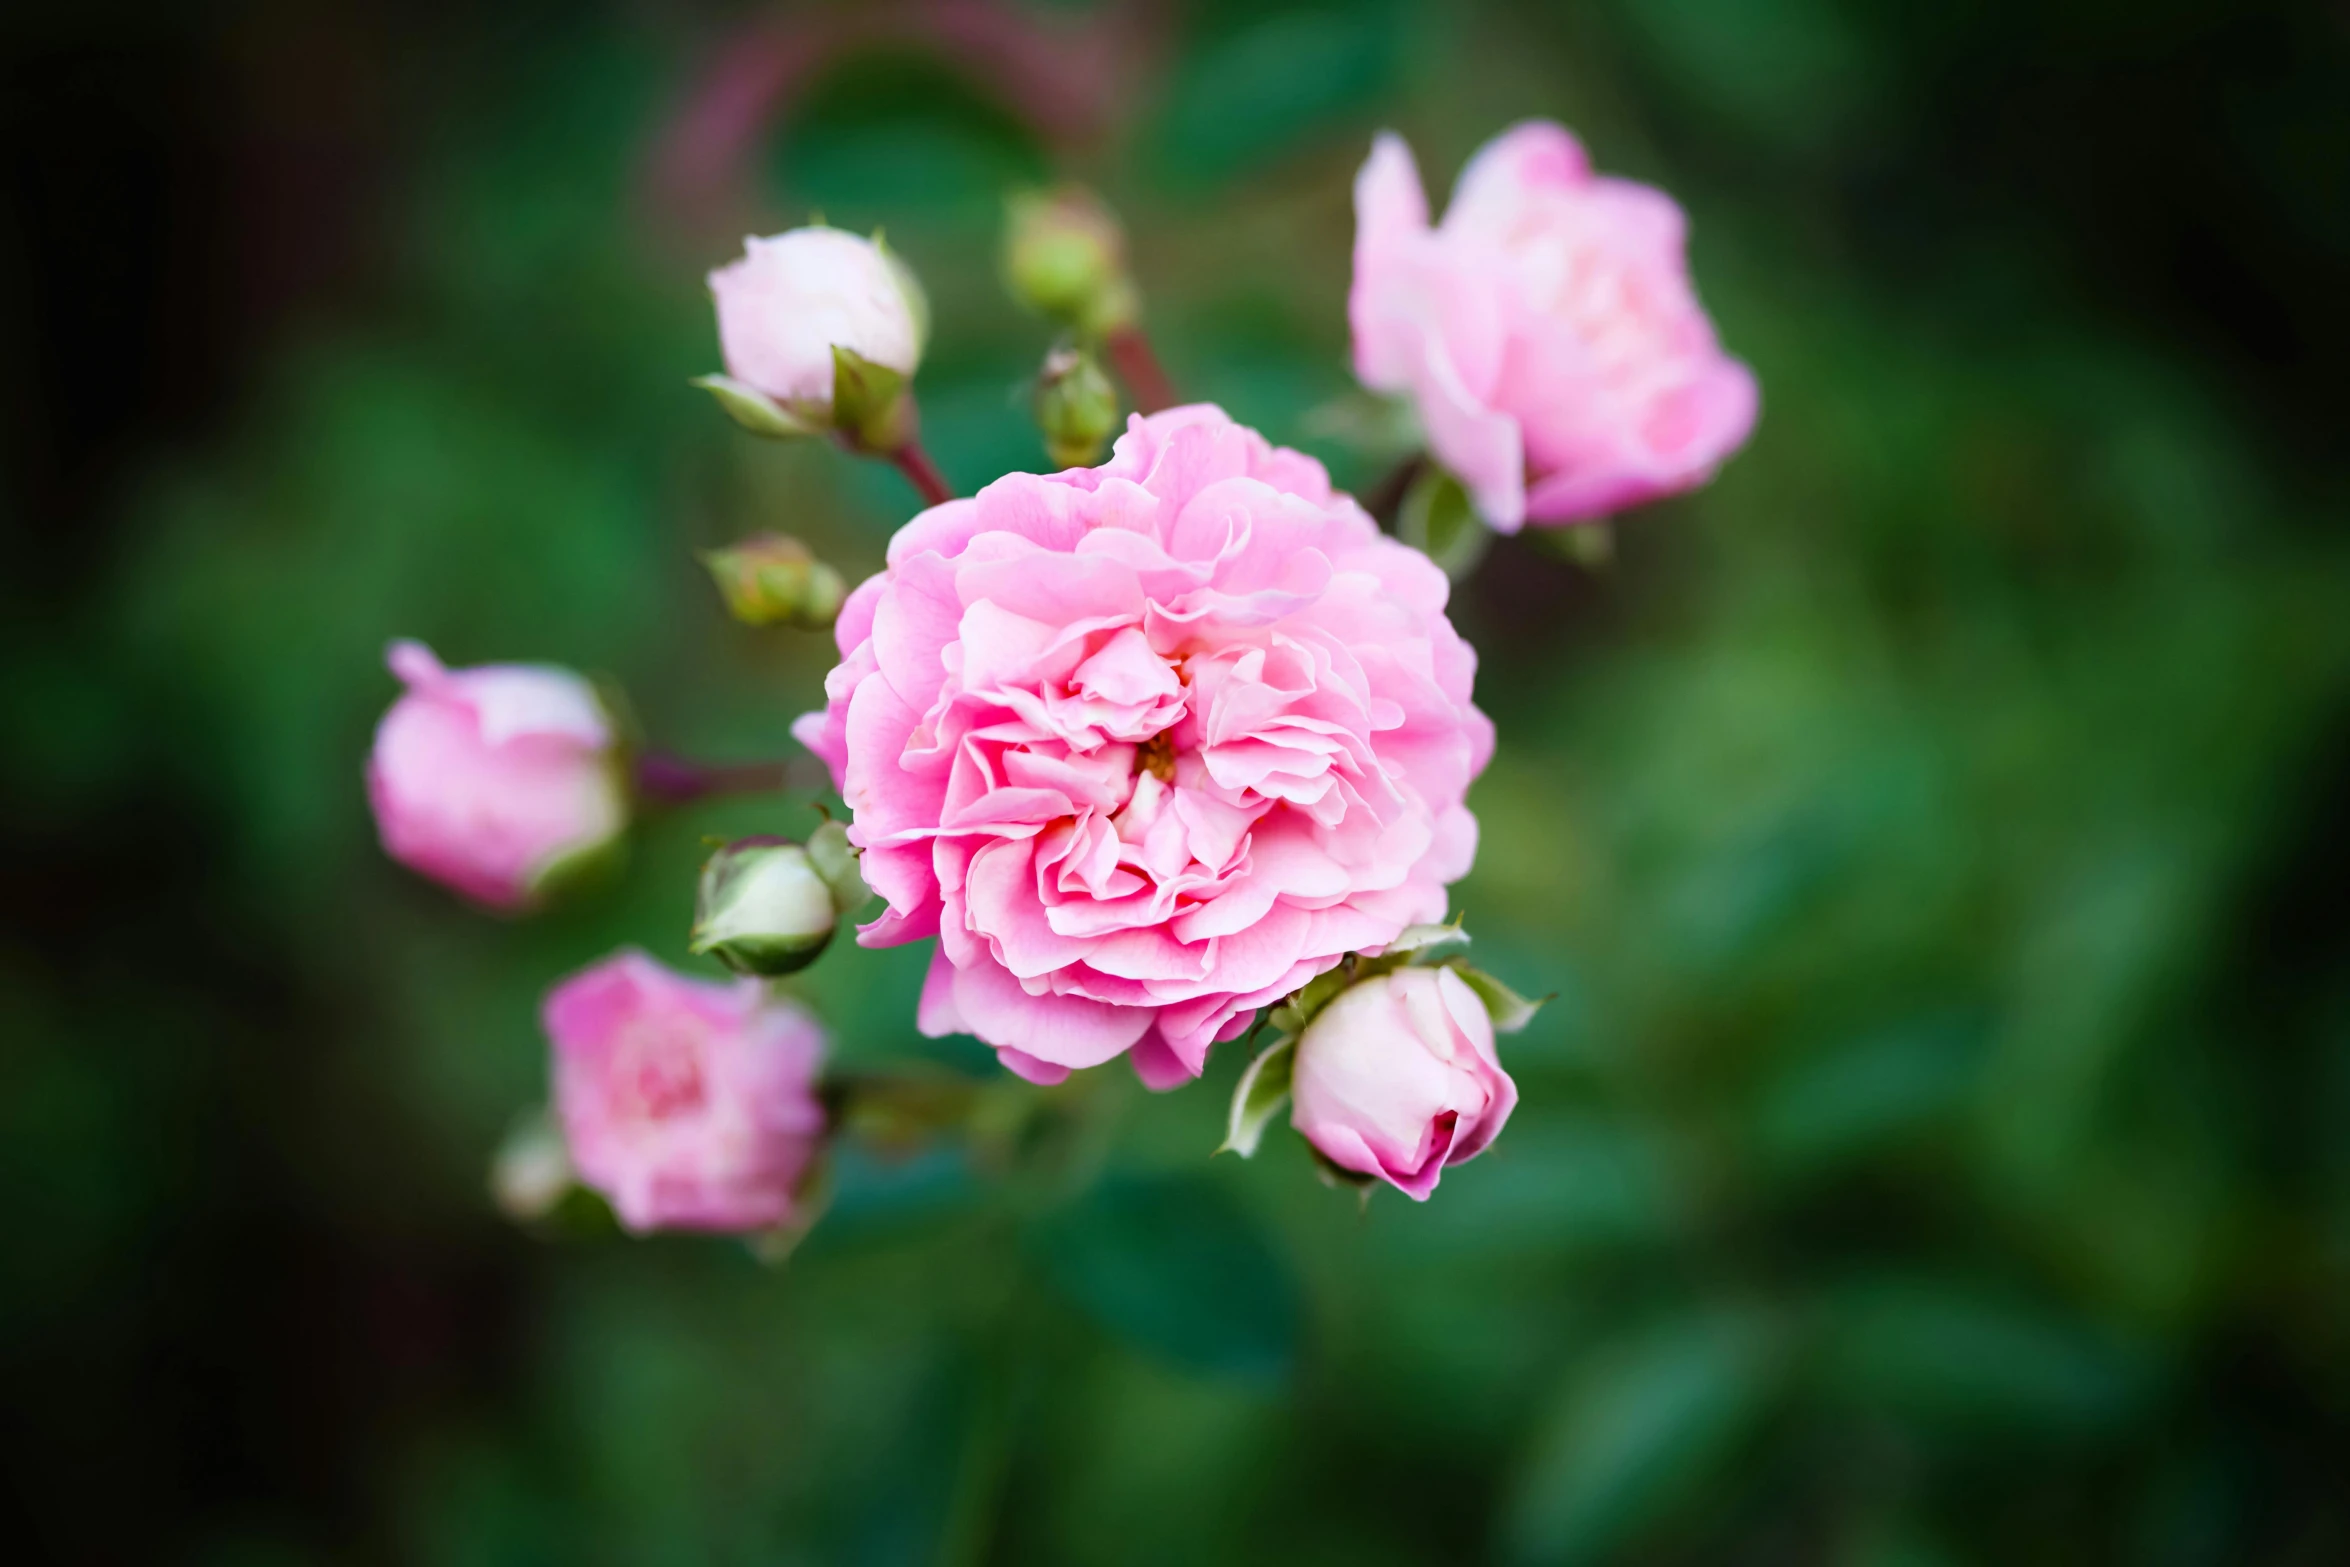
{"points": [[835, 859], [1292, 1015], [1424, 938], [1262, 1091], [1509, 1010], [1590, 545], [1333, 1174], [754, 410], [870, 407], [1437, 519], [580, 873], [765, 957]]}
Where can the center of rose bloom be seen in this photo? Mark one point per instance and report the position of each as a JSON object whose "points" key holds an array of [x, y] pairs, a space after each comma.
{"points": [[657, 1070], [1156, 756]]}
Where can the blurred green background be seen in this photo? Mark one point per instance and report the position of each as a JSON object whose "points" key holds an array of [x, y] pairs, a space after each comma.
{"points": [[1938, 1152]]}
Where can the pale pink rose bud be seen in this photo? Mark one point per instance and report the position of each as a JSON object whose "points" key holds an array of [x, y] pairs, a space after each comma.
{"points": [[1546, 331], [689, 1104], [494, 780], [1396, 1078], [792, 300]]}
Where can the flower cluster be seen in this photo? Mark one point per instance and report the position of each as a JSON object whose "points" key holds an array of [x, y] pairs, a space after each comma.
{"points": [[1160, 752], [1147, 746]]}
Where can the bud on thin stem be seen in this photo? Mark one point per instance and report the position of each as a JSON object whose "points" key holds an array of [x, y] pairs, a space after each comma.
{"points": [[771, 579], [1076, 407]]}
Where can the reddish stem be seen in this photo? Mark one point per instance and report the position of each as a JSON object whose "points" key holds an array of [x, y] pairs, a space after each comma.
{"points": [[670, 779], [912, 461], [1140, 369]]}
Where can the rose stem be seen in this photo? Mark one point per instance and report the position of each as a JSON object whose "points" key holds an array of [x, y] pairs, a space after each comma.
{"points": [[1140, 369], [675, 780], [1385, 498], [912, 461]]}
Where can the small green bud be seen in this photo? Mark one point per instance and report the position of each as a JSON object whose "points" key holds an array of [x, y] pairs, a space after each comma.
{"points": [[1077, 408], [1065, 256], [764, 908], [771, 579]]}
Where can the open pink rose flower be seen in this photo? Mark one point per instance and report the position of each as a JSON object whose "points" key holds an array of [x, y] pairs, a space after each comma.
{"points": [[1148, 745], [1546, 330], [690, 1105], [488, 779], [1397, 1078]]}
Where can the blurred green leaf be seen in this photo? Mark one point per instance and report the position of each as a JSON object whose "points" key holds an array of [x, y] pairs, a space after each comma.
{"points": [[1172, 1266], [1639, 1430], [1869, 1092], [1955, 1355], [1249, 98]]}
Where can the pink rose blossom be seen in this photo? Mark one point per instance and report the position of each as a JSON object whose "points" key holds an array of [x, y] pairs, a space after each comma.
{"points": [[1396, 1078], [792, 299], [1148, 745], [1546, 330], [689, 1104], [485, 779]]}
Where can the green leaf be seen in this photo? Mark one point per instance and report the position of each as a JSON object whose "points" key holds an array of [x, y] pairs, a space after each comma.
{"points": [[1437, 520], [1872, 1093], [1638, 1432], [1174, 1267], [1509, 1010], [1262, 1091], [754, 410], [1954, 1354]]}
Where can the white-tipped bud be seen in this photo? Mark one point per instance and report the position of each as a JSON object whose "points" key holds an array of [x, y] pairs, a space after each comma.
{"points": [[764, 908]]}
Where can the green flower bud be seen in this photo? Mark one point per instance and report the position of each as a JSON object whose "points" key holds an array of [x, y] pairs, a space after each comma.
{"points": [[771, 579], [764, 907], [1077, 408], [1065, 256]]}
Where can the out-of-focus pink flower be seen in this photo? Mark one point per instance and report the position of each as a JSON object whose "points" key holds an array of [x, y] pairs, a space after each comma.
{"points": [[1546, 330], [488, 779], [1148, 745], [791, 300], [1396, 1078], [690, 1105]]}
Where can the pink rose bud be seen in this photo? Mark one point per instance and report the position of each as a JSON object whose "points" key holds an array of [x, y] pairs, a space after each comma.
{"points": [[494, 780], [804, 308], [1396, 1078], [689, 1104], [1546, 330]]}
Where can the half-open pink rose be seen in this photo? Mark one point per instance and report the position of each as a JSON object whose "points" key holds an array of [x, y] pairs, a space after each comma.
{"points": [[487, 779], [690, 1105], [1148, 745], [1546, 330], [1397, 1078]]}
